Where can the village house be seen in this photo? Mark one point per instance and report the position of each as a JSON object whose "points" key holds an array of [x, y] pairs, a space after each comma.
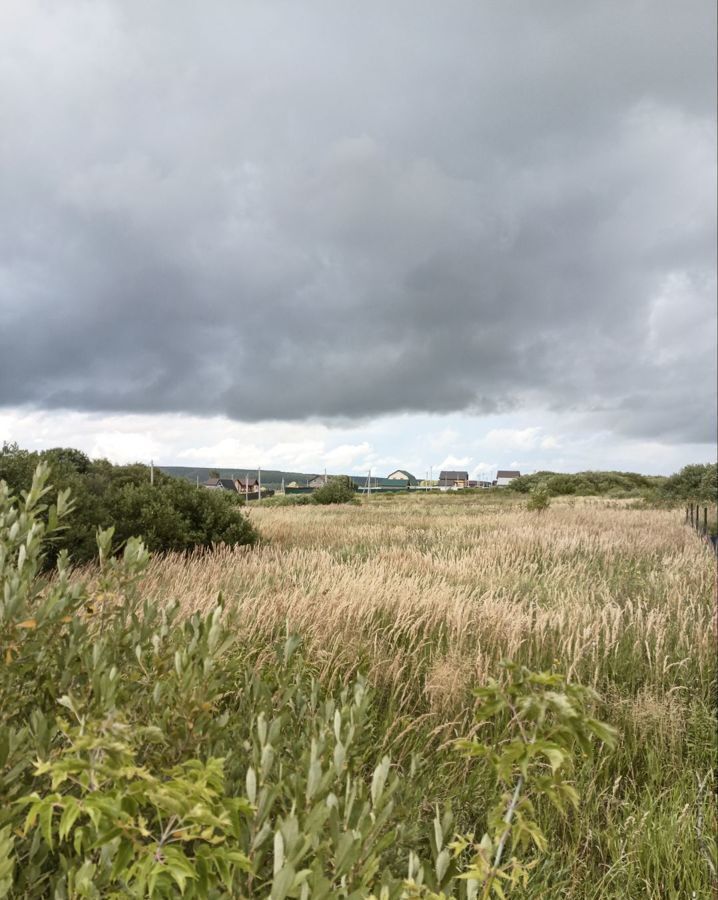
{"points": [[397, 481], [403, 475], [506, 476], [220, 484], [248, 486], [451, 479], [362, 483]]}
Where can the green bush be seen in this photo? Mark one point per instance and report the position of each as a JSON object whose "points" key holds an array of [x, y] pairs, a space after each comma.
{"points": [[288, 500], [172, 514], [142, 755], [588, 483], [697, 483], [339, 489], [539, 499]]}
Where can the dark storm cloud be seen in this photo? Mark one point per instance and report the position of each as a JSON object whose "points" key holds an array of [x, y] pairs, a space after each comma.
{"points": [[340, 210]]}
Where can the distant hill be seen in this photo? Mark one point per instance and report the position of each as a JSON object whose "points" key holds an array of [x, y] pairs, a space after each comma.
{"points": [[271, 478]]}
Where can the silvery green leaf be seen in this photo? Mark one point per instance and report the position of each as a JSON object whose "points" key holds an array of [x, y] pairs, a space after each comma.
{"points": [[379, 780], [442, 864], [339, 756], [278, 853]]}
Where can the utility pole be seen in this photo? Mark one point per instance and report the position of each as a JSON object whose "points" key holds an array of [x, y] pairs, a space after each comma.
{"points": [[325, 475], [368, 484], [246, 487], [431, 476], [152, 472], [259, 479], [283, 490], [198, 482]]}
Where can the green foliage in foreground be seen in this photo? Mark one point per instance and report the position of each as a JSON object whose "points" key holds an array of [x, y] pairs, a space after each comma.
{"points": [[170, 515], [544, 724], [144, 756]]}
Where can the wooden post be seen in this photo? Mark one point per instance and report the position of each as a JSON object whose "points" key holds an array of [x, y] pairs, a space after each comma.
{"points": [[705, 520], [691, 515]]}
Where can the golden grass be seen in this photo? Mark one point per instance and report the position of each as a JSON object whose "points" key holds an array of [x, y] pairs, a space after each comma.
{"points": [[426, 594]]}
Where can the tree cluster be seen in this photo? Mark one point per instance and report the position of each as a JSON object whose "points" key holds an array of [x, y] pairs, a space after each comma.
{"points": [[587, 483], [694, 483], [697, 483], [170, 514]]}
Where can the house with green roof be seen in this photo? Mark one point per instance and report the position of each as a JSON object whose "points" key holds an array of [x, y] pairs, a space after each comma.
{"points": [[403, 475], [362, 483]]}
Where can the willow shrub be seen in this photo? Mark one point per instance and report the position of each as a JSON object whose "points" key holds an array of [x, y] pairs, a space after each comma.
{"points": [[146, 756], [171, 514], [339, 489]]}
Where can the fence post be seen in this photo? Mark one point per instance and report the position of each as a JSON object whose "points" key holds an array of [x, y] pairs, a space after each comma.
{"points": [[705, 520], [691, 515]]}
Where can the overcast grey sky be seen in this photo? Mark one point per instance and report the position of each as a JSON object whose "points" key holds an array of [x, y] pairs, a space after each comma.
{"points": [[327, 218]]}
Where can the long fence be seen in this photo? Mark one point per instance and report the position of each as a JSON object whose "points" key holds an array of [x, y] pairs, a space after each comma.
{"points": [[697, 518], [255, 495]]}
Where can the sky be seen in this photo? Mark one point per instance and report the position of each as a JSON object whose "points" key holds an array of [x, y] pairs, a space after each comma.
{"points": [[310, 235]]}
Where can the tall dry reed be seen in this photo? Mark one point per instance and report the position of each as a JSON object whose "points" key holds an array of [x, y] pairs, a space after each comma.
{"points": [[426, 595]]}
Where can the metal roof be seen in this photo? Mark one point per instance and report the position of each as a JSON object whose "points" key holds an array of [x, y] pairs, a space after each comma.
{"points": [[224, 484], [361, 481], [407, 476]]}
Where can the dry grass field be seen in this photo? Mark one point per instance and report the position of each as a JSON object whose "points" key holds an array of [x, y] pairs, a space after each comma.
{"points": [[425, 595]]}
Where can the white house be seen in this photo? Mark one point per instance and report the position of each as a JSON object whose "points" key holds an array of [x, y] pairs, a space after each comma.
{"points": [[506, 476]]}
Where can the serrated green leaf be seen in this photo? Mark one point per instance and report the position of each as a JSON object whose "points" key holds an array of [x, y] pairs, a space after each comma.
{"points": [[68, 818], [46, 817]]}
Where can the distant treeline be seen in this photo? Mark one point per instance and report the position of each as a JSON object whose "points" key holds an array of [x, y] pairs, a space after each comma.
{"points": [[170, 514], [692, 483]]}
